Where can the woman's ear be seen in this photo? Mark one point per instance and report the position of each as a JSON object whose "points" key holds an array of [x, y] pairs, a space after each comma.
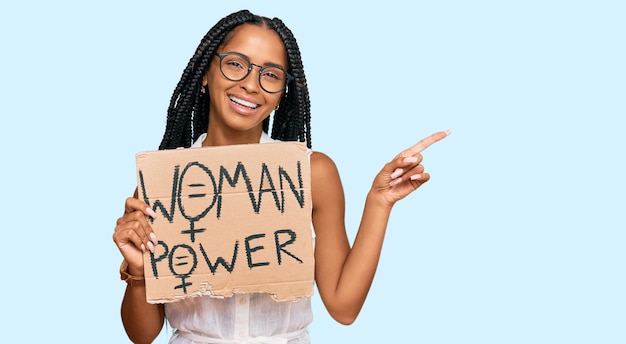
{"points": [[205, 82]]}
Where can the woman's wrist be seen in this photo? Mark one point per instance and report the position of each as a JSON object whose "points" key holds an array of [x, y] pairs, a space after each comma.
{"points": [[374, 199], [131, 277]]}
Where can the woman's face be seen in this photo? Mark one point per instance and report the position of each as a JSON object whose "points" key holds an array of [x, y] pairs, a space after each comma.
{"points": [[241, 106]]}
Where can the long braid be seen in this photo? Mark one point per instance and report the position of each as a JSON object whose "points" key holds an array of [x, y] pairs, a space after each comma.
{"points": [[188, 112], [292, 120]]}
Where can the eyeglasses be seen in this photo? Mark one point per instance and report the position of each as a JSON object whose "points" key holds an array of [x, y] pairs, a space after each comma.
{"points": [[236, 67]]}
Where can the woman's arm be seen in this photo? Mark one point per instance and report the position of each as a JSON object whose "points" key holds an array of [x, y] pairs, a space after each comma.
{"points": [[142, 321], [133, 235], [344, 274]]}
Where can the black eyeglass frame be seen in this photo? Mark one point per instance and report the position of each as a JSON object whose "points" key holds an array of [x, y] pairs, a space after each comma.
{"points": [[289, 77]]}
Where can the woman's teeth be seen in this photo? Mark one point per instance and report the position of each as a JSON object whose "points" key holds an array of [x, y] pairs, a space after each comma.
{"points": [[244, 103]]}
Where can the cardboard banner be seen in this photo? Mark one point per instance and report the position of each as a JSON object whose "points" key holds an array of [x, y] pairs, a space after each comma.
{"points": [[232, 219]]}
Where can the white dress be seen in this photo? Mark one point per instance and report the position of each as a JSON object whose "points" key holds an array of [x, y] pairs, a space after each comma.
{"points": [[243, 318]]}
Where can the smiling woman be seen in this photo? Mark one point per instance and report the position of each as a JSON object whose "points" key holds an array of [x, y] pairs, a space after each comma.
{"points": [[221, 100], [239, 100]]}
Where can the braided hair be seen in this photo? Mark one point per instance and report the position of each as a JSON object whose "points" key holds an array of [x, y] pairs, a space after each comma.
{"points": [[188, 112]]}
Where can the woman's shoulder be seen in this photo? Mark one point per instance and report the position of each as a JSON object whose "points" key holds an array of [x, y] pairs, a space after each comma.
{"points": [[320, 157], [322, 164]]}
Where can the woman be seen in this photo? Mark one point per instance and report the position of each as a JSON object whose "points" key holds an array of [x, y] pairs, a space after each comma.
{"points": [[245, 68]]}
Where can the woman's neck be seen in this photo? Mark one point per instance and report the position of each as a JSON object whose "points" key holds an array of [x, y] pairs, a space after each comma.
{"points": [[223, 138]]}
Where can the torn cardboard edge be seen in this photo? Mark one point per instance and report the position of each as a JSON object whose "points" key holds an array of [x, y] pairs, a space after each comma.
{"points": [[295, 292]]}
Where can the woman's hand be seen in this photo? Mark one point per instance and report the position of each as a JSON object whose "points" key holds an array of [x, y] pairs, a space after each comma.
{"points": [[133, 234], [405, 173]]}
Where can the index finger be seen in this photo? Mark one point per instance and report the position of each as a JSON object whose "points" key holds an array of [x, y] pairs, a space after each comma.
{"points": [[133, 204], [427, 142]]}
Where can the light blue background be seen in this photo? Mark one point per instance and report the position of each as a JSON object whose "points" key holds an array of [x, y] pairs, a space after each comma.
{"points": [[518, 237]]}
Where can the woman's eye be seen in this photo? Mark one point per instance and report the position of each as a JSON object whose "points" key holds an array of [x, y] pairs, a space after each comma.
{"points": [[235, 64], [272, 74]]}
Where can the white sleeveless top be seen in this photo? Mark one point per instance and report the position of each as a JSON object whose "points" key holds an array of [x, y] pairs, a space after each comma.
{"points": [[243, 318]]}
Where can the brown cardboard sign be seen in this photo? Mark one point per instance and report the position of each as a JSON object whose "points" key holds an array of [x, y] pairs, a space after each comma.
{"points": [[232, 219]]}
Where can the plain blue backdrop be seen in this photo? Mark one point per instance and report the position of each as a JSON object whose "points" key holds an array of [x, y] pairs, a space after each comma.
{"points": [[518, 238]]}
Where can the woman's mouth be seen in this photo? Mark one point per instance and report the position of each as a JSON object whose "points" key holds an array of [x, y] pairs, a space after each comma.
{"points": [[243, 103]]}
